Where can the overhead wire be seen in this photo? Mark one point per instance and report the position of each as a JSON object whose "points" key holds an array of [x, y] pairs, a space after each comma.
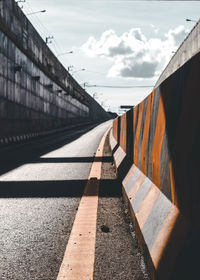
{"points": [[113, 86], [45, 31], [36, 21]]}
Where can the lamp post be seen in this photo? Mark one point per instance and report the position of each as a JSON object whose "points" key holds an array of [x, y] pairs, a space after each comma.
{"points": [[60, 54], [83, 69], [48, 39], [70, 68], [187, 19], [95, 94], [85, 85], [37, 12], [20, 1]]}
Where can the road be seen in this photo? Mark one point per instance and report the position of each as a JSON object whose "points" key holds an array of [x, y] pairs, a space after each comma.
{"points": [[41, 183]]}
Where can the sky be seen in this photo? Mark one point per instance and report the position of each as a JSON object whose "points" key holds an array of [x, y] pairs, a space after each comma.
{"points": [[122, 45]]}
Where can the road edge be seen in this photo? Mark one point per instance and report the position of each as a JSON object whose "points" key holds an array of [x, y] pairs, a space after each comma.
{"points": [[79, 257]]}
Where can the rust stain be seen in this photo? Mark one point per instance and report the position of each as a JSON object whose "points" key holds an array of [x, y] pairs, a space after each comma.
{"points": [[157, 144], [146, 132], [115, 128], [134, 117], [172, 181], [123, 132], [137, 134]]}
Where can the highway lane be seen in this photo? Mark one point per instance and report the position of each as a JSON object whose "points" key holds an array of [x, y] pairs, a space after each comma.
{"points": [[41, 184]]}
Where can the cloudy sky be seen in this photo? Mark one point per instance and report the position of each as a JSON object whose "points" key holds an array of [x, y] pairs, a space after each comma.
{"points": [[122, 45]]}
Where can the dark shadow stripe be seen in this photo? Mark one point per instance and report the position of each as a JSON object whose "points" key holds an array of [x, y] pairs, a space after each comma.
{"points": [[44, 189], [58, 160], [31, 152]]}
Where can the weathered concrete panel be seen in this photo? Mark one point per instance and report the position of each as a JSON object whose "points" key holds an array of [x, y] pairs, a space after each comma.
{"points": [[32, 77], [166, 141]]}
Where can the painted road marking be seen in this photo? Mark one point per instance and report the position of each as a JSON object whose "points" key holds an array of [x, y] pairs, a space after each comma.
{"points": [[79, 257]]}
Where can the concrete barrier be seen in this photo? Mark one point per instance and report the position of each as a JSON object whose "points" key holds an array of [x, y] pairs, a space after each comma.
{"points": [[162, 184]]}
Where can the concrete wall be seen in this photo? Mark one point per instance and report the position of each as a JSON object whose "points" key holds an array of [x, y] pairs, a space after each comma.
{"points": [[166, 131], [36, 92], [189, 47], [159, 143]]}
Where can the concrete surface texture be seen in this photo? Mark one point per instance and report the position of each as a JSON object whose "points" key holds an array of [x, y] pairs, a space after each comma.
{"points": [[37, 93], [161, 137], [166, 132]]}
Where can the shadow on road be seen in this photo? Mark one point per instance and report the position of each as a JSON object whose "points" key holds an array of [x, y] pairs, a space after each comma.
{"points": [[60, 160], [46, 189], [17, 155], [30, 152]]}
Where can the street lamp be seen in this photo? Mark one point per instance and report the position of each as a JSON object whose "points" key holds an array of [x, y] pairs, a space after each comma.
{"points": [[42, 11], [187, 19], [96, 95], [83, 69], [21, 1], [60, 54], [85, 84], [48, 39], [70, 68]]}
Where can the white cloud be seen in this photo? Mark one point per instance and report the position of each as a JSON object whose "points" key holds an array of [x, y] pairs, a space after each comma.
{"points": [[177, 35], [156, 29], [132, 54]]}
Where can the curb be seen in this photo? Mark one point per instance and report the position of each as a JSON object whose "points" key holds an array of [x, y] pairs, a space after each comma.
{"points": [[82, 238], [29, 136], [120, 158]]}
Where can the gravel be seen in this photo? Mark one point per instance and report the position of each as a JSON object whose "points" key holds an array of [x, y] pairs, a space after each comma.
{"points": [[117, 254]]}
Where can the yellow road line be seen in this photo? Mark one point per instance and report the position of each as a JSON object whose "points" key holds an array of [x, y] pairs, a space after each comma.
{"points": [[79, 257]]}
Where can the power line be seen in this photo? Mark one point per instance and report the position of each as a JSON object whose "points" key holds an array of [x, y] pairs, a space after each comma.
{"points": [[107, 86], [37, 22], [96, 72], [45, 31]]}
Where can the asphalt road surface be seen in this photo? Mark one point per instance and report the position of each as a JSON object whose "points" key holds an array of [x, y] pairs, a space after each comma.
{"points": [[41, 183]]}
